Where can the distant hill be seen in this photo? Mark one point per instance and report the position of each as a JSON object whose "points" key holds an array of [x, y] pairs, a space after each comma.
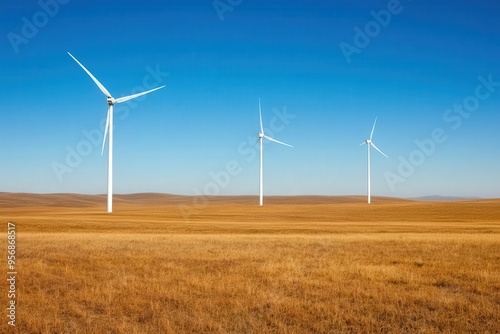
{"points": [[13, 200], [77, 211], [444, 198]]}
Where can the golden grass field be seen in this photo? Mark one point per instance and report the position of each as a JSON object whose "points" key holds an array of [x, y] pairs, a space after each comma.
{"points": [[158, 264]]}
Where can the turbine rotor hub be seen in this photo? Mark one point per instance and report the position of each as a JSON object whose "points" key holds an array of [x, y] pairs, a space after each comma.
{"points": [[110, 101], [261, 135]]}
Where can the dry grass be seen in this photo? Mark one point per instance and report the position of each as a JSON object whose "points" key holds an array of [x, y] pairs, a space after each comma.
{"points": [[393, 267]]}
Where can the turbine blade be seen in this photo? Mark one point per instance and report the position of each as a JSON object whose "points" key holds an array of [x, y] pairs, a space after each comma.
{"points": [[258, 140], [373, 128], [363, 143], [276, 141], [105, 132], [101, 87], [260, 115], [375, 147], [130, 97]]}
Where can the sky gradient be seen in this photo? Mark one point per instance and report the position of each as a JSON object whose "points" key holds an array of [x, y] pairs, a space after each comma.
{"points": [[429, 71]]}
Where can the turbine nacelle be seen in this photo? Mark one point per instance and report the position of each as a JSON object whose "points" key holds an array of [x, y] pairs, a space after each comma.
{"points": [[111, 100], [261, 135]]}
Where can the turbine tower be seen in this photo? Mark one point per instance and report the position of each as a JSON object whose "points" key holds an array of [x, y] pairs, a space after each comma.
{"points": [[261, 139], [109, 127], [370, 143]]}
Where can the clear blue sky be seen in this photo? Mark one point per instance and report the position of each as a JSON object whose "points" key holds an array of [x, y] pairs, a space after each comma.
{"points": [[297, 56]]}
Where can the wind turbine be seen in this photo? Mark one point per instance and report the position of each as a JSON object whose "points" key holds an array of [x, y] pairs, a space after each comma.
{"points": [[261, 139], [369, 143], [109, 127]]}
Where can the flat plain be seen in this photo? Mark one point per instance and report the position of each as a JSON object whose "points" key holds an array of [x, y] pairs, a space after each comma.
{"points": [[172, 264]]}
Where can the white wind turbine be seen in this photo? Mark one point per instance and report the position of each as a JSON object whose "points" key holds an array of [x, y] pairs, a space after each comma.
{"points": [[261, 136], [369, 143], [109, 127]]}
